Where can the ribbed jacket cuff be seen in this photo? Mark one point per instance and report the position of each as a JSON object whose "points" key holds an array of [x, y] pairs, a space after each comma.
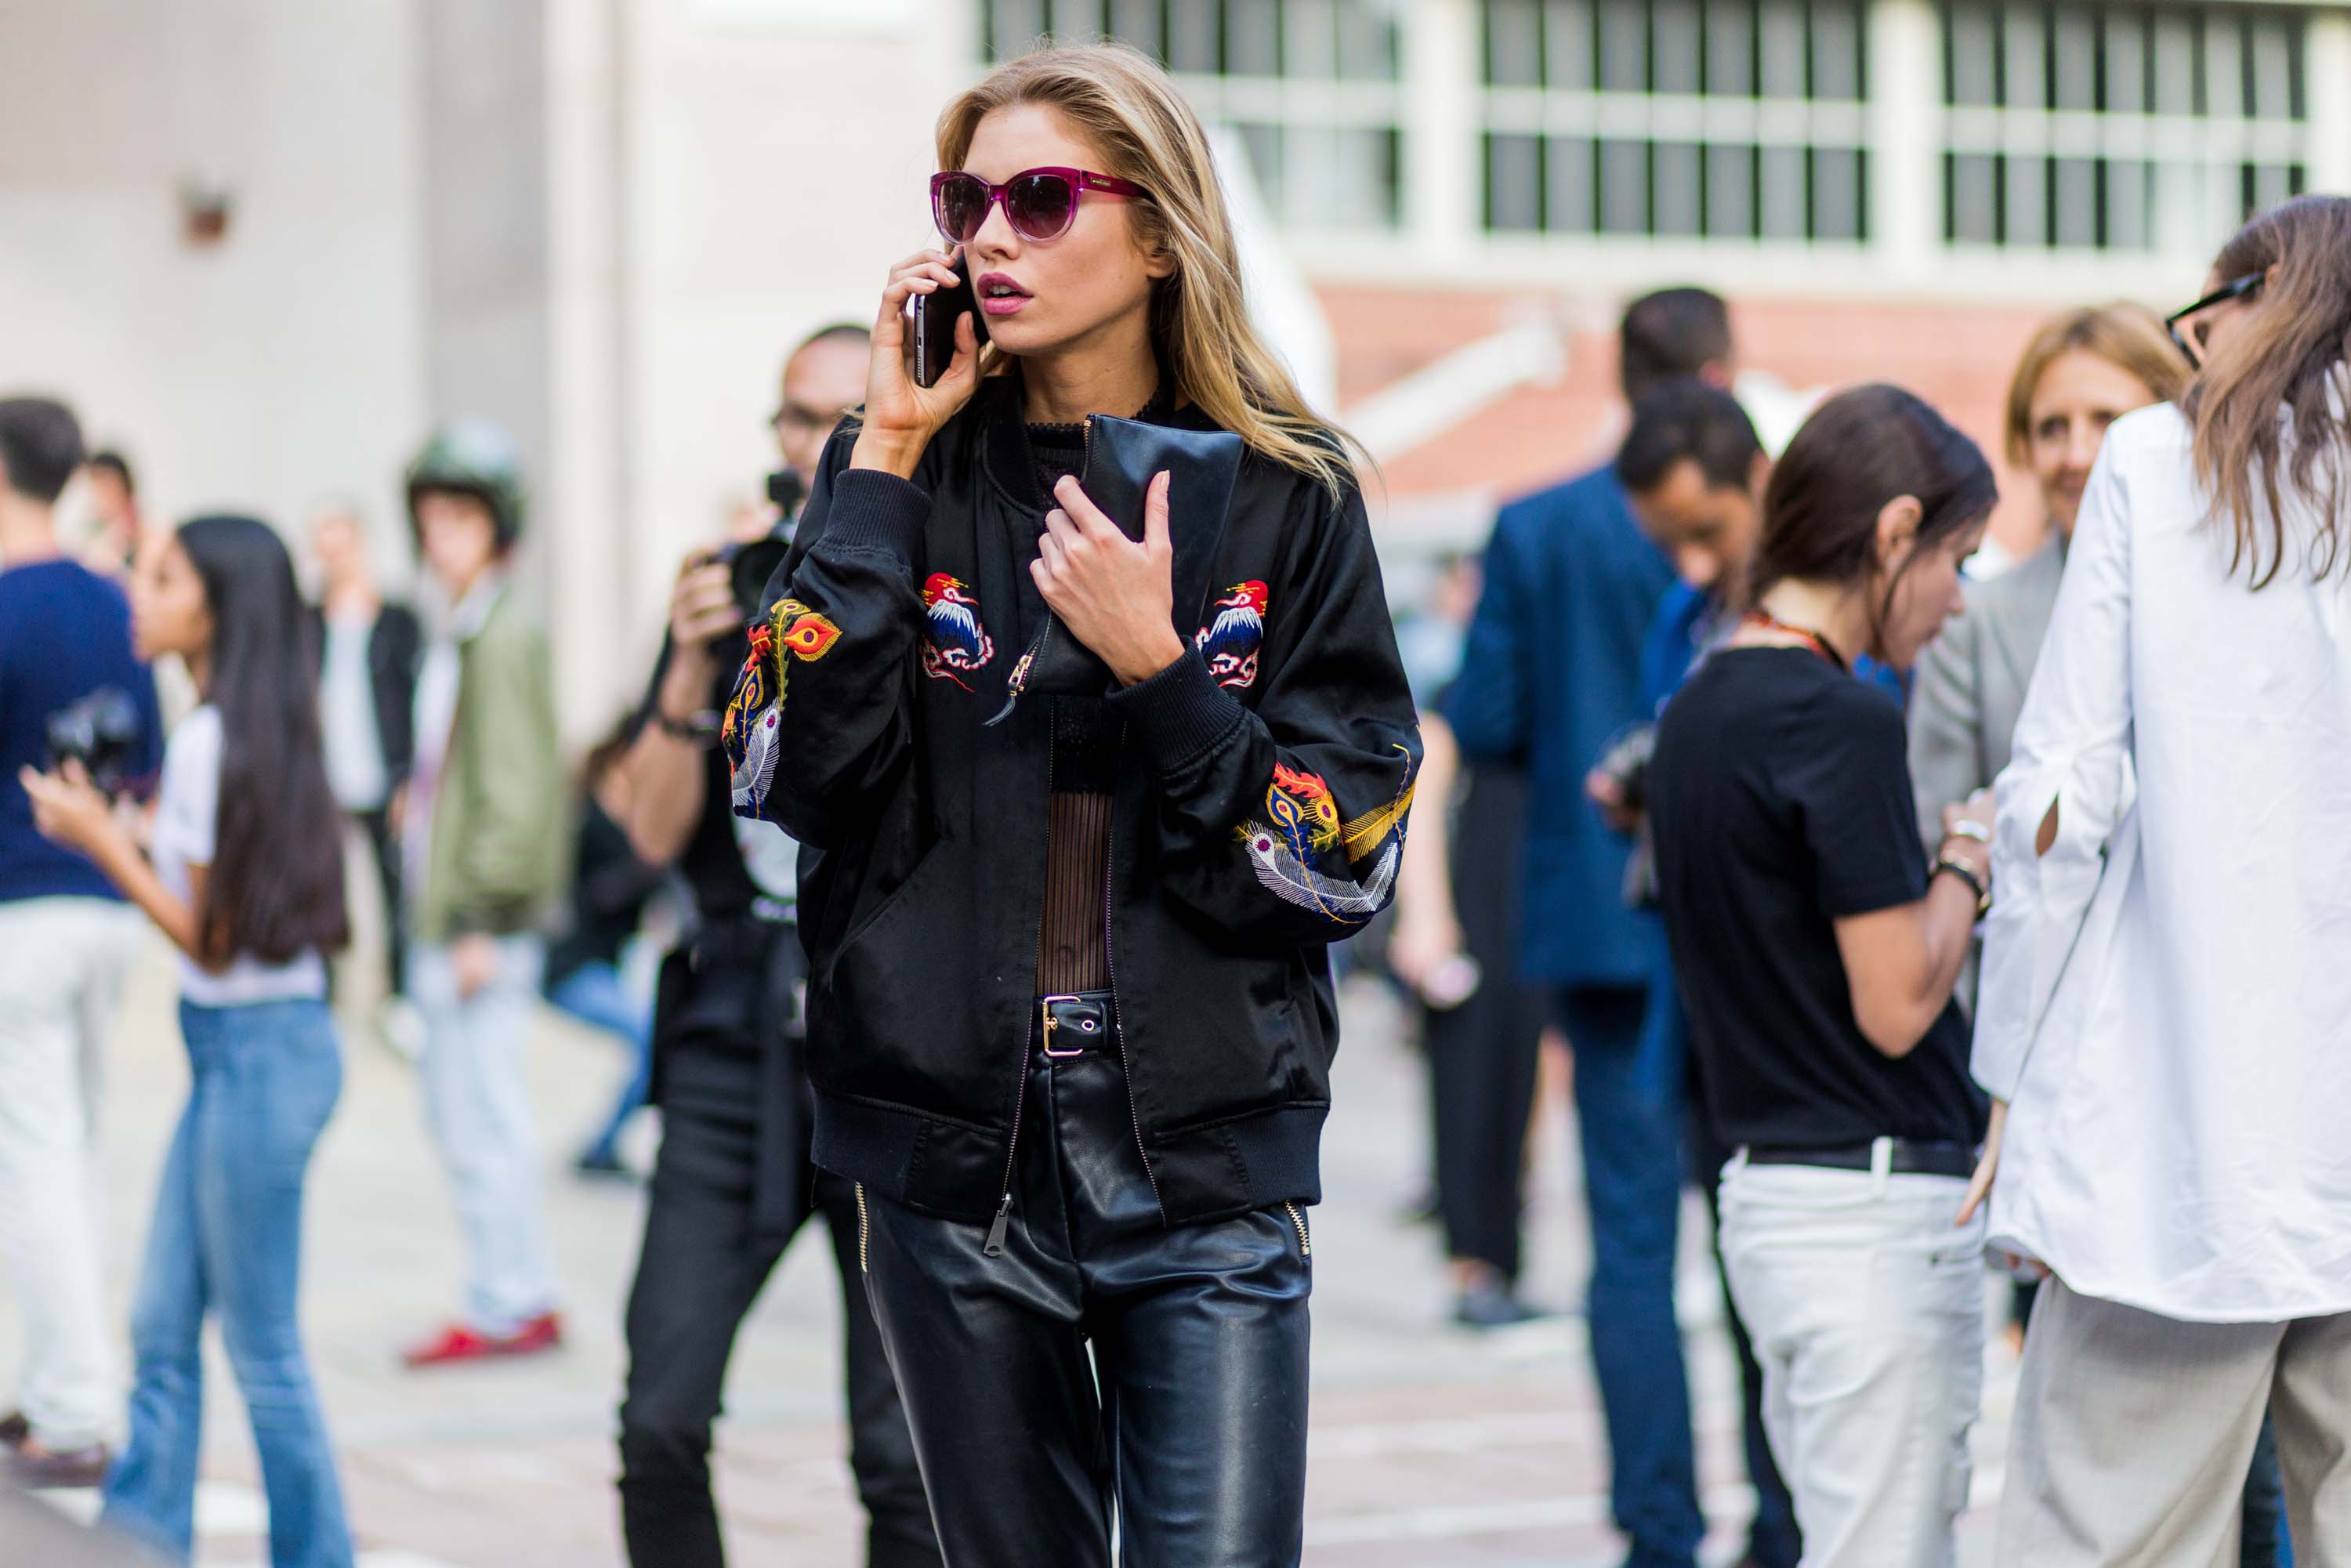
{"points": [[875, 511], [1178, 713]]}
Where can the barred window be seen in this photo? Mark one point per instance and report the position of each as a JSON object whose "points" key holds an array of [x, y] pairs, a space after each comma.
{"points": [[1310, 86], [1727, 119], [2118, 128]]}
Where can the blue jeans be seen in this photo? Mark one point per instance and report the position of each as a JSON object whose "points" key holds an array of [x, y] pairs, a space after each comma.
{"points": [[227, 1238], [597, 996], [1629, 1112]]}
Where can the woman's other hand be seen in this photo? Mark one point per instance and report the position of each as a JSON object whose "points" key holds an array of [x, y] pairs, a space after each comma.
{"points": [[1419, 944], [1113, 594], [1987, 1164], [68, 809], [900, 417]]}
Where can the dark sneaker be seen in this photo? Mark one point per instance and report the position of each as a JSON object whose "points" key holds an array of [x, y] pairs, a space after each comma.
{"points": [[36, 1468], [1493, 1306], [459, 1344], [15, 1429]]}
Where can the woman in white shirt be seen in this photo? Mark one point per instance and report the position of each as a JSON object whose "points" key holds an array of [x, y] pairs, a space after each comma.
{"points": [[244, 874], [2165, 1003]]}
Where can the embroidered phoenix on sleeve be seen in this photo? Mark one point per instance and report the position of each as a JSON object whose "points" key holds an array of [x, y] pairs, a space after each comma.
{"points": [[1302, 824]]}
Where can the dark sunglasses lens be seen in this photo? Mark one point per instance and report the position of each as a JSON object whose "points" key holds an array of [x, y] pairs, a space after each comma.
{"points": [[1041, 206], [960, 206]]}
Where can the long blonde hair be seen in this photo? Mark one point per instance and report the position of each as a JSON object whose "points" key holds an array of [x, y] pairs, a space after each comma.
{"points": [[2283, 368], [1141, 129]]}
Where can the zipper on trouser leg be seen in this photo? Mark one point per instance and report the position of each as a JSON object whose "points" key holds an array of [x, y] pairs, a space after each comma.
{"points": [[994, 1247], [1298, 1220], [863, 1229]]}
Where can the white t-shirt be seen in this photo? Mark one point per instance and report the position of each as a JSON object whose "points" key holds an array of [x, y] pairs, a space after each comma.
{"points": [[187, 821], [355, 767]]}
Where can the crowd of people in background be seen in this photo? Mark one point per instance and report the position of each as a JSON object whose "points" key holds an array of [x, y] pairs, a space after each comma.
{"points": [[1766, 741], [1916, 919]]}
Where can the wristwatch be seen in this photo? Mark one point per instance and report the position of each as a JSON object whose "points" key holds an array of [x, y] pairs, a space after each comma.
{"points": [[1947, 861]]}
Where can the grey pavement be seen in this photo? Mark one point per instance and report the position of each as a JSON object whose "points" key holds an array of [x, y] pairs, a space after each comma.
{"points": [[1431, 1447]]}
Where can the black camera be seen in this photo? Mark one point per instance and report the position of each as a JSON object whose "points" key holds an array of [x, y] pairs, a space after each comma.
{"points": [[102, 731], [750, 566]]}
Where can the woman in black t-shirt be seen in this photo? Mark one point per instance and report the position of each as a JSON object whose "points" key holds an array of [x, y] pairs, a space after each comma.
{"points": [[1817, 952]]}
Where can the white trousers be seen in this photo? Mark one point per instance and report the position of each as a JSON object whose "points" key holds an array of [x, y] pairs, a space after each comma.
{"points": [[478, 1106], [62, 962], [1865, 1304], [2132, 1434]]}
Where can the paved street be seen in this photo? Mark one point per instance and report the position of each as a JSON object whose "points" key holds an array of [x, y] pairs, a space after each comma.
{"points": [[1432, 1448]]}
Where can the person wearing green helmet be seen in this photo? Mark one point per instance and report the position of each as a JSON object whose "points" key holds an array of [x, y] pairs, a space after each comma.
{"points": [[484, 841]]}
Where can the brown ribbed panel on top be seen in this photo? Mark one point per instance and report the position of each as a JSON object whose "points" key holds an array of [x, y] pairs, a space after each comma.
{"points": [[1072, 943]]}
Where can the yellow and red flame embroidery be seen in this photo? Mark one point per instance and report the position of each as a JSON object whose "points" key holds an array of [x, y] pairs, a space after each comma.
{"points": [[748, 734]]}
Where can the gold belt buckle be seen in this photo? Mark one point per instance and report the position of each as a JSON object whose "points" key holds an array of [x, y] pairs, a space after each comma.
{"points": [[1045, 1011]]}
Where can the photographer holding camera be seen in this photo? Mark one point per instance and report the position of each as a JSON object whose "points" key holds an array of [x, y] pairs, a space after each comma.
{"points": [[733, 1182], [70, 688]]}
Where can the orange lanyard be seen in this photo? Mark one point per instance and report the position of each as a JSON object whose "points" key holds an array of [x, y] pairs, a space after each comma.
{"points": [[1812, 640]]}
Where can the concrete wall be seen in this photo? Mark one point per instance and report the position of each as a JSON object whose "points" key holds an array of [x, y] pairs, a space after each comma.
{"points": [[289, 360], [775, 161]]}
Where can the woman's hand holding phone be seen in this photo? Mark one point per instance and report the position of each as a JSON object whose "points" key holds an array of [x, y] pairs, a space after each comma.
{"points": [[901, 417]]}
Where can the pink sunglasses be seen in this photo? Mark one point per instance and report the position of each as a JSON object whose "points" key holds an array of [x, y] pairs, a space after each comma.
{"points": [[1039, 204]]}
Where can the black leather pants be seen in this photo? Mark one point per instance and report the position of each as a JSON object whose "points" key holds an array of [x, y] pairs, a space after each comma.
{"points": [[1191, 1420]]}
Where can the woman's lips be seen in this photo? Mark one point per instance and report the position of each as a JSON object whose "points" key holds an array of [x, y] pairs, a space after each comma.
{"points": [[1005, 303]]}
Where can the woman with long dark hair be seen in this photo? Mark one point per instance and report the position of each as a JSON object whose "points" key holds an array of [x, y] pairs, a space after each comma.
{"points": [[244, 875], [2166, 1000], [1817, 949], [1089, 793]]}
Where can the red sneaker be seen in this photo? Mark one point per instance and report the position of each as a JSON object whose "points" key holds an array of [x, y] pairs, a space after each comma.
{"points": [[458, 1343]]}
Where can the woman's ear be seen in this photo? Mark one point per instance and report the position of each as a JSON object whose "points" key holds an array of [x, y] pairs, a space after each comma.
{"points": [[1898, 527]]}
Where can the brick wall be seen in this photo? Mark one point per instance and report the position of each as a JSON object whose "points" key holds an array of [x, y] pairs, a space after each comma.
{"points": [[1957, 357]]}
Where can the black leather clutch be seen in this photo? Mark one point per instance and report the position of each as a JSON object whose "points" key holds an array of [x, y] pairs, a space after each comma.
{"points": [[1122, 457]]}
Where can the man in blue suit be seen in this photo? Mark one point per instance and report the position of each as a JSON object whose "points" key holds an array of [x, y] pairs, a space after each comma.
{"points": [[1550, 676]]}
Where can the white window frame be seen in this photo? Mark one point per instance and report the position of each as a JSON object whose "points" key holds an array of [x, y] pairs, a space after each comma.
{"points": [[1443, 107]]}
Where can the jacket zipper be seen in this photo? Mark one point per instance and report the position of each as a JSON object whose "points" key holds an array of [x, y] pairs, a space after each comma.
{"points": [[863, 1231], [1298, 1220], [994, 1247], [1019, 682], [1118, 1022]]}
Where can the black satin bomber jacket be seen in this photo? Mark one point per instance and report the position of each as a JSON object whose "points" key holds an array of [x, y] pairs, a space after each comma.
{"points": [[1259, 812]]}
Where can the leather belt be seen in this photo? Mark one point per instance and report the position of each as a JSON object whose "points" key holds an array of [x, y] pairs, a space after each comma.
{"points": [[1910, 1156], [1073, 1025]]}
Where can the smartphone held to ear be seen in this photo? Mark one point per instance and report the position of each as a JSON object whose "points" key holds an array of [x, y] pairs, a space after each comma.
{"points": [[931, 344]]}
